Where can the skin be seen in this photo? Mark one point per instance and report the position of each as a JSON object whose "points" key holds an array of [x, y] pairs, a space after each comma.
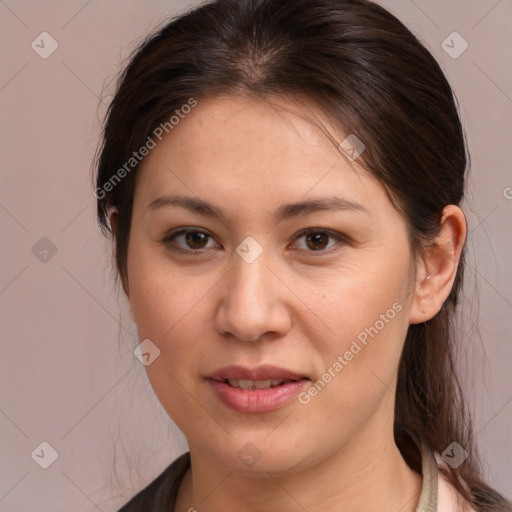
{"points": [[292, 307]]}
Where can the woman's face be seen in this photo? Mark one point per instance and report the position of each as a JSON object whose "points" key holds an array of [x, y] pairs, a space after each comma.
{"points": [[262, 290]]}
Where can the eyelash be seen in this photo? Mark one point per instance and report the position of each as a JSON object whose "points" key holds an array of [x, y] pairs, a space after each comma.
{"points": [[166, 241]]}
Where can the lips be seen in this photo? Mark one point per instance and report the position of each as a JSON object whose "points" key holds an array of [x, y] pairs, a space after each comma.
{"points": [[256, 384], [259, 373], [256, 390]]}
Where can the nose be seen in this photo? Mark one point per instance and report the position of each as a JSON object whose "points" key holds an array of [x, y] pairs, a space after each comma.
{"points": [[253, 302]]}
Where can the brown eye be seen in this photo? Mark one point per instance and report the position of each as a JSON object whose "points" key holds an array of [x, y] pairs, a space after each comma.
{"points": [[187, 240], [196, 239], [317, 241]]}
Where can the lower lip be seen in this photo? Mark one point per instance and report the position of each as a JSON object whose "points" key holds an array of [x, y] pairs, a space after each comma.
{"points": [[256, 400]]}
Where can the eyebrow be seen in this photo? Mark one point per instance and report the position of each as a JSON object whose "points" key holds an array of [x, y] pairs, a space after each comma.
{"points": [[285, 211]]}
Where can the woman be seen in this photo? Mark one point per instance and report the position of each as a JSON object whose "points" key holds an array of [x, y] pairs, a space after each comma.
{"points": [[282, 182]]}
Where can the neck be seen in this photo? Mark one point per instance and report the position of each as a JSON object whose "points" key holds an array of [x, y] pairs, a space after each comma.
{"points": [[364, 476]]}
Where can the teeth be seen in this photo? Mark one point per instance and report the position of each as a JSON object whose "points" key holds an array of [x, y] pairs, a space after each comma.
{"points": [[262, 384], [245, 384], [255, 384]]}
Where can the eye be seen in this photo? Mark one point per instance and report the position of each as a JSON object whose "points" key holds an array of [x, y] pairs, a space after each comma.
{"points": [[193, 240], [317, 240]]}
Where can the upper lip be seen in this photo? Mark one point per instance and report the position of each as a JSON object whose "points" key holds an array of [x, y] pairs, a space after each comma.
{"points": [[263, 372]]}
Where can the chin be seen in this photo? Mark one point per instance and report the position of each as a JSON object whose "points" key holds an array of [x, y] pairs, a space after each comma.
{"points": [[257, 456]]}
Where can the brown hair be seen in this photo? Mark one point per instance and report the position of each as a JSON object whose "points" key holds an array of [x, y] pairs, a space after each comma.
{"points": [[362, 67]]}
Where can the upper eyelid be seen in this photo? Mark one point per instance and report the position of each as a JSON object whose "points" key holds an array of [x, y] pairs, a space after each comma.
{"points": [[182, 231]]}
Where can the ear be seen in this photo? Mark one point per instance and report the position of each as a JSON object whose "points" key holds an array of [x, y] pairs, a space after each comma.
{"points": [[112, 215], [113, 218], [437, 267]]}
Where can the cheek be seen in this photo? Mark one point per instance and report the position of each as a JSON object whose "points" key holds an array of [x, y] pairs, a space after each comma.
{"points": [[367, 318], [367, 341], [171, 319], [360, 302], [167, 312], [165, 308], [161, 296]]}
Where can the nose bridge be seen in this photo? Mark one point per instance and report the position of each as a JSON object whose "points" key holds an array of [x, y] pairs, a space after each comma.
{"points": [[250, 280], [251, 302]]}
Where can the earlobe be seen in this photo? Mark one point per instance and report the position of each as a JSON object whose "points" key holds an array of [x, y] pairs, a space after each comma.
{"points": [[437, 268], [113, 218], [112, 215], [131, 311]]}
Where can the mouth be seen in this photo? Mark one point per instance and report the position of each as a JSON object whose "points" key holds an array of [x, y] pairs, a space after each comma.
{"points": [[260, 374], [262, 389], [248, 384]]}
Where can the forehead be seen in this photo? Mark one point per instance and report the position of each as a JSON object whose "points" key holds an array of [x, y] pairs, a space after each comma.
{"points": [[246, 151]]}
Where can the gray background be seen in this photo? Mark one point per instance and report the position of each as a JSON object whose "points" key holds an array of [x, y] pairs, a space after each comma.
{"points": [[68, 373]]}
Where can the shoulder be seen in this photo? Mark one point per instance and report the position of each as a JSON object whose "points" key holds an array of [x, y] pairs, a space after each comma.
{"points": [[160, 494], [448, 499]]}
